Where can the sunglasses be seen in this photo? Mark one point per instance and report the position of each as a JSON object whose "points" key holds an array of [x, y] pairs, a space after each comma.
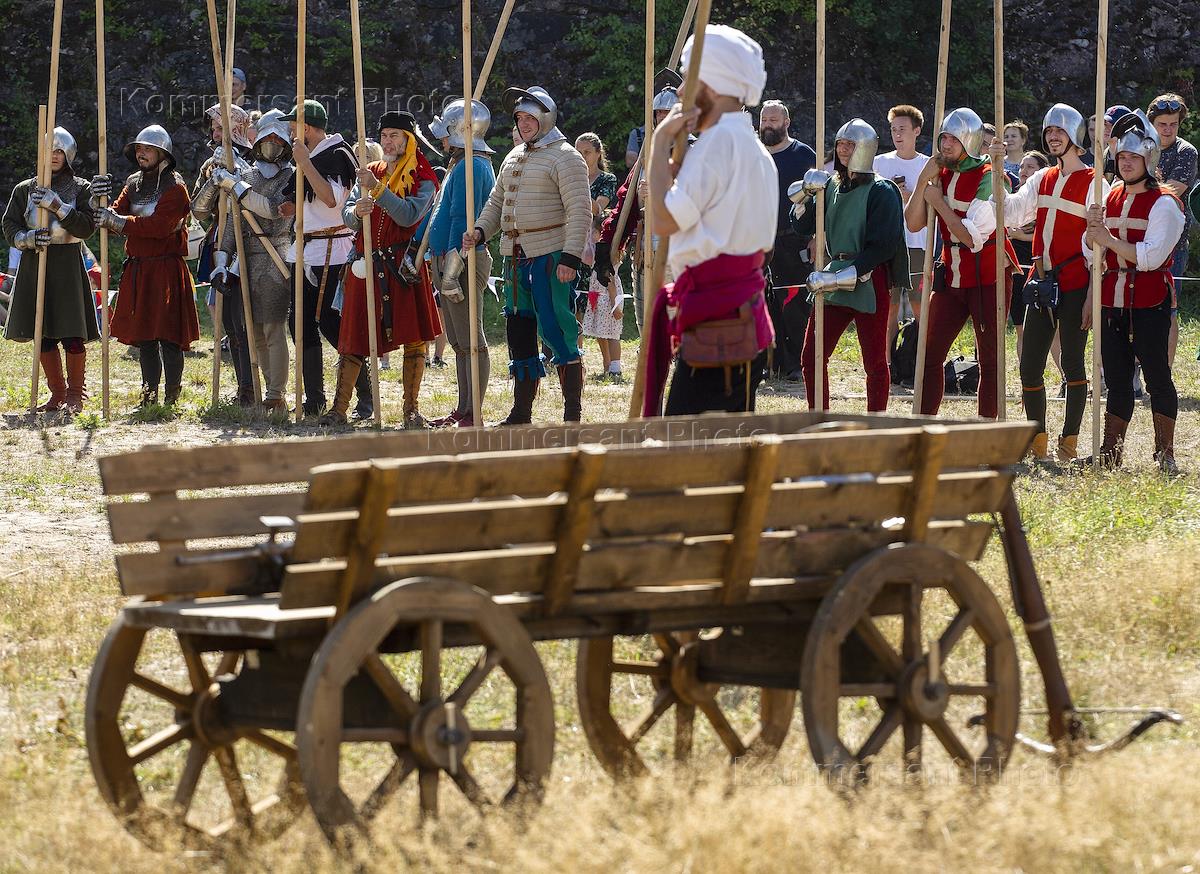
{"points": [[1166, 106]]}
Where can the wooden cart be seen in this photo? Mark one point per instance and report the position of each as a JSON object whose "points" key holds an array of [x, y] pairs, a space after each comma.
{"points": [[808, 553]]}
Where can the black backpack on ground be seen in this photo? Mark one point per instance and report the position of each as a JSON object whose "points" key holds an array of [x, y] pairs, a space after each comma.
{"points": [[962, 376], [904, 354]]}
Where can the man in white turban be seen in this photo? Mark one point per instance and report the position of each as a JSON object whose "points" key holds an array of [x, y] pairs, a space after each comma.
{"points": [[713, 319]]}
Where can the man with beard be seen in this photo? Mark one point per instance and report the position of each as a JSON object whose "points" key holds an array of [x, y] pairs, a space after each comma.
{"points": [[1137, 230], [719, 234], [259, 188], [393, 195], [788, 262], [1056, 200], [156, 301], [957, 183], [69, 315], [864, 235], [542, 206], [204, 210], [329, 169]]}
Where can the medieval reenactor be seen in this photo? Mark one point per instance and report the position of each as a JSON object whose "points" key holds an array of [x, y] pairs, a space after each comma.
{"points": [[393, 195], [260, 189], [542, 207], [957, 183], [1137, 229], [713, 214], [868, 256], [329, 169], [156, 301], [204, 209], [449, 222], [1055, 200], [69, 315]]}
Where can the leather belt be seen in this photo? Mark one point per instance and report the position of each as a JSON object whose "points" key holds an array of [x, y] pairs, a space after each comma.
{"points": [[339, 233], [512, 235]]}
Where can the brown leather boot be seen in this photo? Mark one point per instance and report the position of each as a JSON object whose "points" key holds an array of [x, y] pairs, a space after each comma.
{"points": [[524, 391], [1164, 444], [1039, 449], [1113, 447], [1067, 448], [76, 382], [570, 379], [348, 367], [52, 367], [411, 375]]}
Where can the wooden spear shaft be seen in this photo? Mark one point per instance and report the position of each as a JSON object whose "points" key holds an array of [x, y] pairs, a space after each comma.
{"points": [[469, 193], [222, 217], [1098, 198], [46, 134], [102, 167], [368, 248], [647, 239], [998, 195], [939, 113], [298, 301], [819, 302], [679, 152], [486, 70]]}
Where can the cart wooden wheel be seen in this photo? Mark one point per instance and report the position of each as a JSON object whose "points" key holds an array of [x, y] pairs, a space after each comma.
{"points": [[672, 673], [426, 732], [145, 775], [910, 682]]}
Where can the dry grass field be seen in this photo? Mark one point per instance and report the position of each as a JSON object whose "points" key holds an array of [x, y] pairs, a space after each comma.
{"points": [[1119, 555]]}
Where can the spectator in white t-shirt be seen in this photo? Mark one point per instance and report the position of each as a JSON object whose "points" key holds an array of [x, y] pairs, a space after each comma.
{"points": [[903, 166]]}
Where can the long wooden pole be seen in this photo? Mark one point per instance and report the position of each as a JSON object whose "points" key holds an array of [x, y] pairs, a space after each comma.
{"points": [[819, 303], [939, 113], [469, 194], [298, 301], [679, 152], [46, 133], [1098, 198], [102, 167], [486, 70], [647, 238], [222, 218], [998, 195], [685, 27], [368, 248]]}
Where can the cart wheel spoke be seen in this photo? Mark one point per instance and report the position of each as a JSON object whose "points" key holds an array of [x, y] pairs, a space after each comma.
{"points": [[644, 669], [197, 757], [497, 735], [951, 742], [973, 690], [726, 732], [197, 673], [397, 696], [954, 631], [661, 704], [388, 786], [473, 680], [431, 660], [228, 663], [882, 732], [158, 690], [466, 782], [429, 791], [879, 646], [160, 741], [685, 731], [269, 743], [242, 811], [667, 643]]}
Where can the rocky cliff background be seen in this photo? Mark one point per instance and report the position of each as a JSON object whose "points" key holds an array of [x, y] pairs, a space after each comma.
{"points": [[588, 54]]}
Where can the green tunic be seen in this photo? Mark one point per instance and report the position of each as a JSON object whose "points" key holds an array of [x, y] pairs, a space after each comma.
{"points": [[70, 307]]}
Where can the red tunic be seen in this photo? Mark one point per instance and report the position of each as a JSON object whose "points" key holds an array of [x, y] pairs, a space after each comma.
{"points": [[960, 189], [1129, 219], [1061, 224], [414, 315], [156, 299]]}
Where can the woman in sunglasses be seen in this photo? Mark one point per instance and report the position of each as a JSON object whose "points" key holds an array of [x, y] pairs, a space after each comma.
{"points": [[1177, 173]]}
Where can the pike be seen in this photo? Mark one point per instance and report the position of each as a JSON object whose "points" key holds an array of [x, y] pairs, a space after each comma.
{"points": [[998, 192], [469, 197], [1098, 198], [298, 304], [819, 303], [102, 167]]}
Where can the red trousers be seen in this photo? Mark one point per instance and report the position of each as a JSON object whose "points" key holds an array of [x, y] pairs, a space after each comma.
{"points": [[949, 310], [872, 340]]}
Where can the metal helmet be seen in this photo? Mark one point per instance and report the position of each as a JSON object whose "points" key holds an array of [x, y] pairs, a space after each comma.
{"points": [[1134, 132], [154, 135], [1069, 119], [455, 118], [666, 99], [64, 141], [966, 126], [537, 103], [272, 123], [866, 144], [438, 127]]}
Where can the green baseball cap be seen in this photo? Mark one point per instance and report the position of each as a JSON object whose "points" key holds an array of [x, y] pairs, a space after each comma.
{"points": [[314, 114]]}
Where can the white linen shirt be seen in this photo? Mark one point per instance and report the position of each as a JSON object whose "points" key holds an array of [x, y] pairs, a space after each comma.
{"points": [[318, 217], [725, 199], [1165, 226]]}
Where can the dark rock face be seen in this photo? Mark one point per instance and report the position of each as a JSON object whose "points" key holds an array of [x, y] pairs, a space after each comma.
{"points": [[160, 67]]}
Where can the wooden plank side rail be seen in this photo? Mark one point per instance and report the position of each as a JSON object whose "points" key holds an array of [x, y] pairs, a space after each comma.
{"points": [[762, 462], [574, 528], [364, 547], [927, 466]]}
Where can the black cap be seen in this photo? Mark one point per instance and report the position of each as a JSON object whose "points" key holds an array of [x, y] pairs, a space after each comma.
{"points": [[399, 119]]}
